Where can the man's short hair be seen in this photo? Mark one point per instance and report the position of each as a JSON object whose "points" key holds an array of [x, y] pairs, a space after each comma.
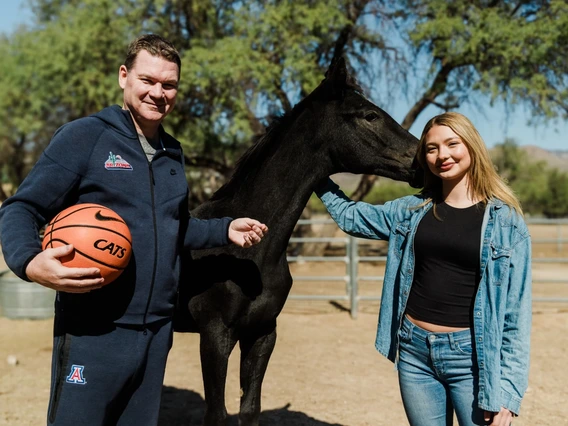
{"points": [[155, 45]]}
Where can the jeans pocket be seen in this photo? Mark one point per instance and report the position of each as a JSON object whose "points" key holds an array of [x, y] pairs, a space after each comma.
{"points": [[404, 334]]}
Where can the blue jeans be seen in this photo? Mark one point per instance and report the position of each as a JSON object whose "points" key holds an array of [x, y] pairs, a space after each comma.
{"points": [[438, 375]]}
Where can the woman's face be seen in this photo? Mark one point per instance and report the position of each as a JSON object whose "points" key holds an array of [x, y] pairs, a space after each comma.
{"points": [[446, 155]]}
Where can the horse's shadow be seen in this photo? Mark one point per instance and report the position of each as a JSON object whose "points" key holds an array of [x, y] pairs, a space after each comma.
{"points": [[182, 407]]}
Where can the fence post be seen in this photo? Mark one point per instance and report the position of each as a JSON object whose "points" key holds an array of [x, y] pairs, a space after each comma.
{"points": [[353, 253]]}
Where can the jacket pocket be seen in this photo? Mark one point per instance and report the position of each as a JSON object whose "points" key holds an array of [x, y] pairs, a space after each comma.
{"points": [[399, 239], [500, 262]]}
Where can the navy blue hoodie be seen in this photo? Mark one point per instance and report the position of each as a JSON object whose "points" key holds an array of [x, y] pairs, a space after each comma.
{"points": [[99, 159]]}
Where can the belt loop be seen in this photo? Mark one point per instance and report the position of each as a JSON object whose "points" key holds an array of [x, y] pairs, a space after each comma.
{"points": [[411, 326], [452, 341]]}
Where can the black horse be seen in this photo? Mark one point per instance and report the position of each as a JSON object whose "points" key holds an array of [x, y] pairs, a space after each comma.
{"points": [[235, 295]]}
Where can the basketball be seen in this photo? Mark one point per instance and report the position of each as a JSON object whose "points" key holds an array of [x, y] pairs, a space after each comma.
{"points": [[100, 238]]}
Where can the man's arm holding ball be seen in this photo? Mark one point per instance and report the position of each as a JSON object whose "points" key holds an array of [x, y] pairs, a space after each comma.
{"points": [[46, 269]]}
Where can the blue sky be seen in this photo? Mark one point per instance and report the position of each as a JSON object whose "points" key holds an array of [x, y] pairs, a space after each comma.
{"points": [[493, 123]]}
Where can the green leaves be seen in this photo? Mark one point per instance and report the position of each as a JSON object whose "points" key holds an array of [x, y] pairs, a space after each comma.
{"points": [[245, 62], [541, 189], [513, 51]]}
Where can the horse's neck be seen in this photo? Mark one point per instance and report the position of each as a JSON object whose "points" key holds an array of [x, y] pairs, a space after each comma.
{"points": [[278, 190]]}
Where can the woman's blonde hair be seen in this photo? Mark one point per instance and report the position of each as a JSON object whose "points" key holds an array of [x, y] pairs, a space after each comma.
{"points": [[484, 181]]}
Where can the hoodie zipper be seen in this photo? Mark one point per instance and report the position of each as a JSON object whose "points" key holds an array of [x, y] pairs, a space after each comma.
{"points": [[155, 227]]}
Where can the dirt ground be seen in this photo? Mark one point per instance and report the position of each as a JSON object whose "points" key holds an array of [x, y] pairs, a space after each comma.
{"points": [[324, 370]]}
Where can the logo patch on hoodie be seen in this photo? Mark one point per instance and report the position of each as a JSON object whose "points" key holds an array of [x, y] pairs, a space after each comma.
{"points": [[116, 162]]}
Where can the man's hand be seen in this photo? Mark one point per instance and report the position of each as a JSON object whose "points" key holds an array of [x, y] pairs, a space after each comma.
{"points": [[47, 270], [502, 418], [246, 232]]}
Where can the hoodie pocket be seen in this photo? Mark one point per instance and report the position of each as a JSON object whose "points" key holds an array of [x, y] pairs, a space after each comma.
{"points": [[62, 345]]}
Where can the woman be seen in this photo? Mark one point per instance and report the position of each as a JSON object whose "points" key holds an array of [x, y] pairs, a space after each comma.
{"points": [[456, 303]]}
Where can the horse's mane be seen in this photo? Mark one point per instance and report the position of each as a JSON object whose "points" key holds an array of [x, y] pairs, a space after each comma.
{"points": [[249, 162]]}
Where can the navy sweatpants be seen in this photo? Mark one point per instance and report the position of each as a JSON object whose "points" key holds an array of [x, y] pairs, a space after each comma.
{"points": [[108, 377]]}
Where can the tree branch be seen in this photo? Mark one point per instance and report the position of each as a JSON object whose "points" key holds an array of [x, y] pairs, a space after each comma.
{"points": [[353, 14], [286, 105], [364, 187], [438, 87]]}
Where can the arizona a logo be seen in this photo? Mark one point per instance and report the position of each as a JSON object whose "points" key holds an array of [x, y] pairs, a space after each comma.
{"points": [[76, 375]]}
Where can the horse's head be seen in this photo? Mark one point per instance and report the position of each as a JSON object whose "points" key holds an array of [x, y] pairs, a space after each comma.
{"points": [[358, 136]]}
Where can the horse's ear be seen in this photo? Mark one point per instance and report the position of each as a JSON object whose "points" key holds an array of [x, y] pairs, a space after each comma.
{"points": [[337, 72]]}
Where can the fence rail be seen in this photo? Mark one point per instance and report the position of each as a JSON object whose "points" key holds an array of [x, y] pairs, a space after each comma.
{"points": [[351, 278]]}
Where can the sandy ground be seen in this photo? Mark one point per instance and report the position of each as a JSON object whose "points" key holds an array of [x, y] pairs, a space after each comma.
{"points": [[324, 371]]}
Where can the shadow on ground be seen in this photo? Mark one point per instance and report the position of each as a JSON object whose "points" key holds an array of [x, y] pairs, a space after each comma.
{"points": [[182, 407]]}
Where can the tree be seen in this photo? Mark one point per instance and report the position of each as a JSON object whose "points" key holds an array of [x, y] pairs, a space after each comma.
{"points": [[509, 51], [61, 69], [245, 62], [556, 204], [527, 178], [541, 189]]}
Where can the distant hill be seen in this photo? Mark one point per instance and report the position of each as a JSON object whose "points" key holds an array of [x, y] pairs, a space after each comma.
{"points": [[555, 159]]}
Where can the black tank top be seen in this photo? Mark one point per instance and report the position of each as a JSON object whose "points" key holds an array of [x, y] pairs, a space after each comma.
{"points": [[446, 272]]}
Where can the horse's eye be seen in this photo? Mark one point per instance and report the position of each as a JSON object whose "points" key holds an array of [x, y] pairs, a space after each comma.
{"points": [[371, 116]]}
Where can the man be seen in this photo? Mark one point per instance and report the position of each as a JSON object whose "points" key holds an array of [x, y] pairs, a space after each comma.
{"points": [[111, 341]]}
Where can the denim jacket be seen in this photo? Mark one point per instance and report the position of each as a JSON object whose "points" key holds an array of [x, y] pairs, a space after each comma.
{"points": [[502, 311]]}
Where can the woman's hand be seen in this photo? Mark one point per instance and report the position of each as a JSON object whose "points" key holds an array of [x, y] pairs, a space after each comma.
{"points": [[502, 418]]}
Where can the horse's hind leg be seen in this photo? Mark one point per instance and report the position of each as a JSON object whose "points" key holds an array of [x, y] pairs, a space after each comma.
{"points": [[216, 345], [255, 354]]}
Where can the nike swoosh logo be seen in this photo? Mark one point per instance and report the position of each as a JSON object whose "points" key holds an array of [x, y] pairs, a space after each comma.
{"points": [[100, 217]]}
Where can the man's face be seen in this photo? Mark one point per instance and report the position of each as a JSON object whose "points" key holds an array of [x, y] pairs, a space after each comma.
{"points": [[149, 89]]}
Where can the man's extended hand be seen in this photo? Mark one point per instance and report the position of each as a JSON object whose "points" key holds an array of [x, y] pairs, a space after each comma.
{"points": [[47, 270], [246, 232]]}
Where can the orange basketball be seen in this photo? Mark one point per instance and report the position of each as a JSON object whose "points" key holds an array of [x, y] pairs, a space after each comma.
{"points": [[99, 236]]}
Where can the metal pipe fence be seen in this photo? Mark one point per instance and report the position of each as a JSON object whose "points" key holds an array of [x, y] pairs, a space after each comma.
{"points": [[352, 260]]}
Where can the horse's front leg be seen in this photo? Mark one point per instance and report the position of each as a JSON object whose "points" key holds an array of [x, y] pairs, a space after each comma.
{"points": [[216, 344], [255, 354]]}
